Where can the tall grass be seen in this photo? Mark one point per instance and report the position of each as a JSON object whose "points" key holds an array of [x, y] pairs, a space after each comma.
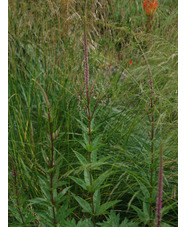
{"points": [[46, 44]]}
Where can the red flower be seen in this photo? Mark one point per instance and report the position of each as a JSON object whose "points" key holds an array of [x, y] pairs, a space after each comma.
{"points": [[150, 6], [130, 62]]}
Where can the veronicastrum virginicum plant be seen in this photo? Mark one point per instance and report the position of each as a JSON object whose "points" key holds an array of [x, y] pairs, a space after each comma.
{"points": [[53, 206], [90, 143]]}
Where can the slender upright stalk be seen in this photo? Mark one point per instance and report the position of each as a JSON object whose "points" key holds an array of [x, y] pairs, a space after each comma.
{"points": [[51, 163], [151, 138], [90, 168], [89, 117], [160, 190], [84, 97], [16, 190]]}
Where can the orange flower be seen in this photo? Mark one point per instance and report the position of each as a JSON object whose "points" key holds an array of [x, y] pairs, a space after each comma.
{"points": [[150, 7], [130, 62]]}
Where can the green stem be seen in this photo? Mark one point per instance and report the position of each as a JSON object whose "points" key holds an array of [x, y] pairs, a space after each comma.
{"points": [[152, 143], [89, 154], [51, 164]]}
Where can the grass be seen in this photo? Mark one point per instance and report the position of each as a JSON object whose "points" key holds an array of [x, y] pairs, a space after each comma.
{"points": [[46, 44]]}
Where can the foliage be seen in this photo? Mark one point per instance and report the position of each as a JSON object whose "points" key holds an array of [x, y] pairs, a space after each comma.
{"points": [[46, 44]]}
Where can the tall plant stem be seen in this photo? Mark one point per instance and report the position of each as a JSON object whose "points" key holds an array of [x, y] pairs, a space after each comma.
{"points": [[51, 163], [152, 140], [160, 189], [89, 154], [88, 114], [152, 120], [16, 190]]}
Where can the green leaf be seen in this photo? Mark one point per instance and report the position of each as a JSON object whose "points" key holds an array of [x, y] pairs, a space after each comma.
{"points": [[126, 223], [59, 160], [82, 144], [103, 208], [29, 218], [80, 157], [94, 156], [45, 188], [140, 213], [96, 142], [87, 177], [97, 183], [83, 203], [98, 126], [51, 170], [96, 200], [45, 156], [45, 217], [79, 181], [92, 124], [56, 175], [144, 190], [102, 160], [15, 213], [84, 127], [26, 169], [63, 211], [106, 185], [89, 147], [45, 191], [62, 193], [56, 133], [40, 201], [146, 210], [165, 225], [86, 138], [55, 194], [59, 184], [85, 223], [166, 209], [44, 182]]}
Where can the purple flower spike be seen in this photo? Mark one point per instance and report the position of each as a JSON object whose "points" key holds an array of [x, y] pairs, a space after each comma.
{"points": [[86, 63], [160, 190]]}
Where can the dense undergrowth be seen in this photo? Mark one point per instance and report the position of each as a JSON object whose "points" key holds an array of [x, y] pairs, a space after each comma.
{"points": [[66, 168]]}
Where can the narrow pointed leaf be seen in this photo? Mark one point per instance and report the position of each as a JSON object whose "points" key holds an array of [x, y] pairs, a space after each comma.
{"points": [[98, 182], [95, 142], [39, 201], [62, 193], [80, 157], [82, 144], [94, 156], [83, 203], [96, 200], [84, 127], [87, 177], [80, 182], [103, 208], [139, 212]]}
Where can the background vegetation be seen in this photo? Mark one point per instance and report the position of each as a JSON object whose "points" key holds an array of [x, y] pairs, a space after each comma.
{"points": [[46, 44]]}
